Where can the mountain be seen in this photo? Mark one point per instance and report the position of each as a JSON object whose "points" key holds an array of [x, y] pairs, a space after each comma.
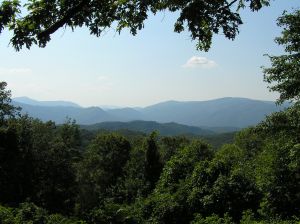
{"points": [[150, 126], [224, 112], [126, 114], [219, 115], [60, 114], [29, 101]]}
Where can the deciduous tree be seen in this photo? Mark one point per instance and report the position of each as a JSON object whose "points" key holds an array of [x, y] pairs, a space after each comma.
{"points": [[7, 110], [284, 73]]}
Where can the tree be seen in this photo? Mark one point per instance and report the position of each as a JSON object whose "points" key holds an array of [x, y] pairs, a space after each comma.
{"points": [[6, 109], [41, 18], [168, 202], [37, 165], [222, 185], [284, 72], [70, 134], [153, 165], [30, 213], [100, 169], [55, 186], [170, 145], [133, 183], [279, 162], [12, 168]]}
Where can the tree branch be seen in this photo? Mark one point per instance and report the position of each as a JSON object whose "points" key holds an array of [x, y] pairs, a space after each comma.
{"points": [[60, 23], [231, 3]]}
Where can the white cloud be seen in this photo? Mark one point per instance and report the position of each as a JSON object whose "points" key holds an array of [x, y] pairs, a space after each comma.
{"points": [[102, 78], [14, 71], [103, 84], [199, 62]]}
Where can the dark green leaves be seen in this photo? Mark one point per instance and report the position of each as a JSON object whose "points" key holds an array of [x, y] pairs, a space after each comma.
{"points": [[8, 12], [201, 18]]}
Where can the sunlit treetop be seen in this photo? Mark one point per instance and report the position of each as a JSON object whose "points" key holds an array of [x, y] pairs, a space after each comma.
{"points": [[7, 110], [34, 22]]}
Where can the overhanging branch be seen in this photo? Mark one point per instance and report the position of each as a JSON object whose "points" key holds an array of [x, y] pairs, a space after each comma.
{"points": [[60, 23], [231, 3]]}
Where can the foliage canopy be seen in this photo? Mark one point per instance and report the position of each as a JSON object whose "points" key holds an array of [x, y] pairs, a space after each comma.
{"points": [[35, 21]]}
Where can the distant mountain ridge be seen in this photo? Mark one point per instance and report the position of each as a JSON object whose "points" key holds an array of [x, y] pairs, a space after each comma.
{"points": [[150, 126], [60, 114], [58, 103], [222, 114]]}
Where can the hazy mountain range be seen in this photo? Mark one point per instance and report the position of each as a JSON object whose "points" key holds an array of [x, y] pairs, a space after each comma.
{"points": [[228, 113], [29, 101]]}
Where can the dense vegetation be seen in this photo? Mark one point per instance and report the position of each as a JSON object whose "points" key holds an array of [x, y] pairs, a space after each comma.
{"points": [[52, 174]]}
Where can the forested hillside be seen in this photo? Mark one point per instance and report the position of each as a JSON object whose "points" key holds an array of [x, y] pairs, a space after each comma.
{"points": [[168, 129]]}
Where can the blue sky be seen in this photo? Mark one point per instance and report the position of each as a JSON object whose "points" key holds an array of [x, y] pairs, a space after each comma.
{"points": [[154, 66]]}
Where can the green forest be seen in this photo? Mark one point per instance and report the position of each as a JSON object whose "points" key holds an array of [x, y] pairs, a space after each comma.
{"points": [[63, 174]]}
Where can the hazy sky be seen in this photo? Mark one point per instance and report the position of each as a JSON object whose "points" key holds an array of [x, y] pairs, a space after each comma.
{"points": [[154, 66]]}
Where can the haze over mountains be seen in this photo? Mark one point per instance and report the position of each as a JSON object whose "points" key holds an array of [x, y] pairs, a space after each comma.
{"points": [[224, 112], [27, 100]]}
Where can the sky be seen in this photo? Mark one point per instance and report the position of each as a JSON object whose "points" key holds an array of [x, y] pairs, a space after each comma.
{"points": [[155, 65]]}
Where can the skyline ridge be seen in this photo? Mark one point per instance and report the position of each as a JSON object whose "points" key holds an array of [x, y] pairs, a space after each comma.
{"points": [[36, 102], [234, 112]]}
